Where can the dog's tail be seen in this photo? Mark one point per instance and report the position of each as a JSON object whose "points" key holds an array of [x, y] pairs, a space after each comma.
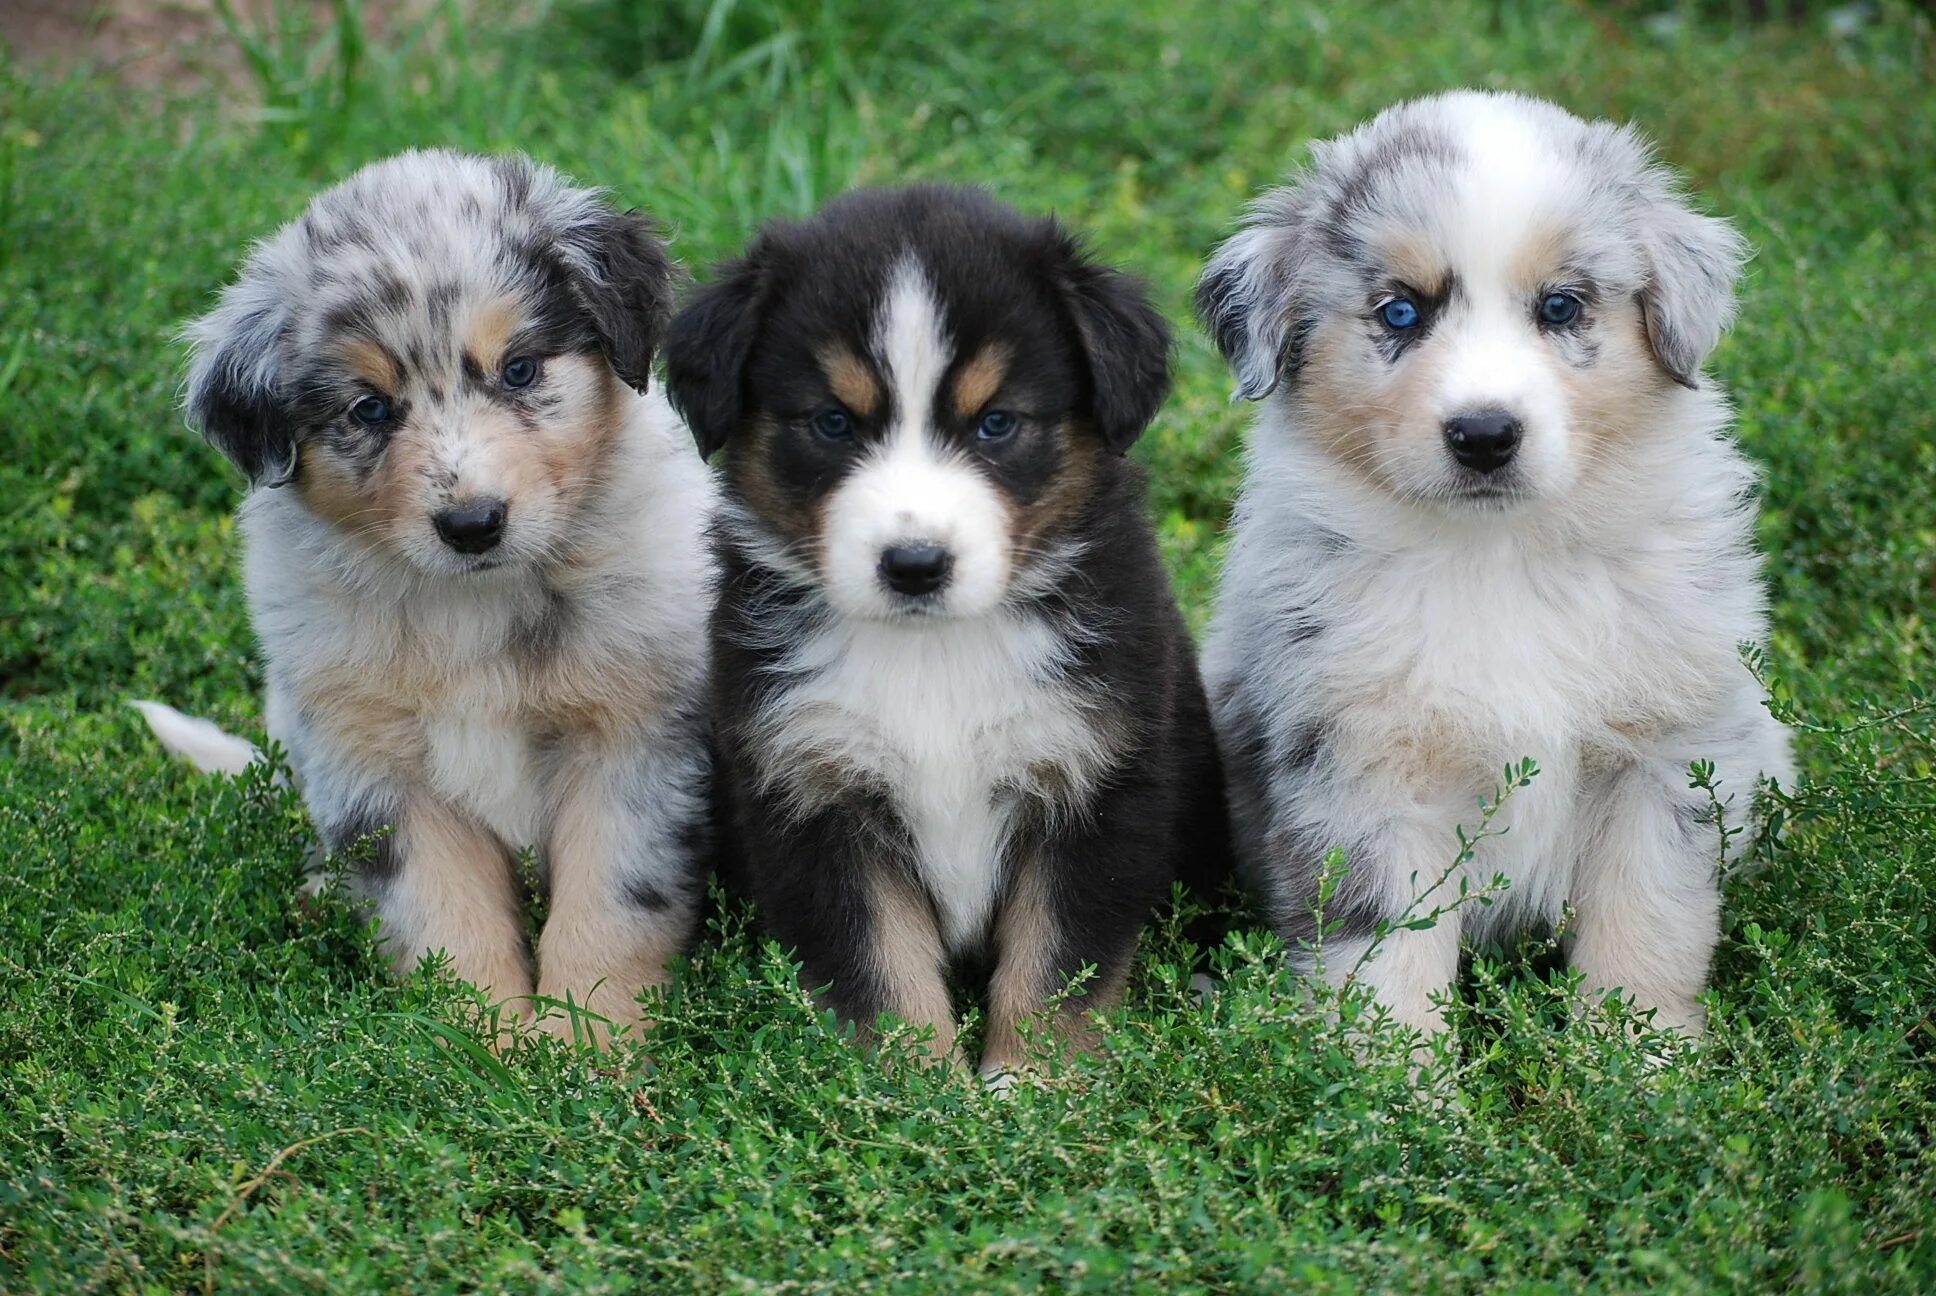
{"points": [[198, 742]]}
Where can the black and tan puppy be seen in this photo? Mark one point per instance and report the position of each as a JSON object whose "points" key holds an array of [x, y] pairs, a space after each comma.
{"points": [[959, 717]]}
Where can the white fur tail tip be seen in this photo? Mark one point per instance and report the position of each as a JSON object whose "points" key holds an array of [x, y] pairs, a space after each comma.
{"points": [[198, 742]]}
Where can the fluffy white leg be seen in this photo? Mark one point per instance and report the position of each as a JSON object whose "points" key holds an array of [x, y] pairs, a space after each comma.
{"points": [[1647, 904], [1401, 875], [1410, 972]]}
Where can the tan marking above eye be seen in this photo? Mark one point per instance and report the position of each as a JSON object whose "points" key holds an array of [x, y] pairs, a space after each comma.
{"points": [[977, 381], [1412, 261], [490, 331], [1540, 257], [852, 382], [372, 363]]}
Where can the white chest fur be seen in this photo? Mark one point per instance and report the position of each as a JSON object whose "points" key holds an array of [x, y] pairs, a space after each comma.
{"points": [[418, 691], [486, 764], [1435, 650], [959, 721]]}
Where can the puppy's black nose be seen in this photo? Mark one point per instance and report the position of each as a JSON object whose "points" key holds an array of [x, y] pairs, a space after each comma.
{"points": [[474, 528], [916, 568], [1484, 441]]}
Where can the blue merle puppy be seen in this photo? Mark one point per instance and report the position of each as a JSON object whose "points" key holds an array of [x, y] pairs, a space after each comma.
{"points": [[1492, 511], [476, 563]]}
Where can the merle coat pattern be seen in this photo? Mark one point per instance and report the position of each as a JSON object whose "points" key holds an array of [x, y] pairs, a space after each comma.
{"points": [[477, 567], [1492, 511]]}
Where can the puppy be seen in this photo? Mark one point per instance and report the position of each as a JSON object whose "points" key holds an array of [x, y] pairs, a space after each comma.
{"points": [[1492, 511], [476, 564], [958, 715]]}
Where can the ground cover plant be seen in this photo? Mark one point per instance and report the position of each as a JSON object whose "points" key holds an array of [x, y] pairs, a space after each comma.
{"points": [[205, 1085]]}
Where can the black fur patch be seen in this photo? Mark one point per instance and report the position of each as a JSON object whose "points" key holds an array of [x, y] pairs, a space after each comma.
{"points": [[365, 838], [1262, 754], [534, 639], [1353, 195], [1302, 746], [248, 420], [1696, 821], [1297, 625], [627, 294], [1220, 304], [645, 896], [255, 429], [1347, 917]]}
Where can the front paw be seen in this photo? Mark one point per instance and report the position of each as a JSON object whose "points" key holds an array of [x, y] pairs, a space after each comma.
{"points": [[1663, 1032], [596, 1021]]}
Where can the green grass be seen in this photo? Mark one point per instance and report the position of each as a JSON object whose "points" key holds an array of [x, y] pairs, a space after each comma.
{"points": [[204, 1085]]}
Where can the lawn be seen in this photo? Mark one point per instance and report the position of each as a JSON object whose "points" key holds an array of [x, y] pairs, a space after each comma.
{"points": [[207, 1086]]}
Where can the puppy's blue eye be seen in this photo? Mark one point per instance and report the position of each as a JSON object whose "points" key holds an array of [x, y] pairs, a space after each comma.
{"points": [[1559, 309], [370, 411], [1399, 313], [520, 371], [997, 425], [833, 424]]}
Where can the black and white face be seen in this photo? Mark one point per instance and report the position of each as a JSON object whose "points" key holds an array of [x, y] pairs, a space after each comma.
{"points": [[1473, 300], [435, 357], [911, 392]]}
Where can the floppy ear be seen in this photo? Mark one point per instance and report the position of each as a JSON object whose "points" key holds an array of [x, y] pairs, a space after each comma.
{"points": [[623, 278], [707, 347], [1248, 293], [233, 395], [1693, 263], [1125, 340]]}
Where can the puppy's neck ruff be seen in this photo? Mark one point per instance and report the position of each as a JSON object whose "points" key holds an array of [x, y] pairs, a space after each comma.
{"points": [[960, 723]]}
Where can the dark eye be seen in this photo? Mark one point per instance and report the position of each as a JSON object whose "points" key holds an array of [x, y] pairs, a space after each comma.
{"points": [[370, 411], [834, 424], [1399, 313], [1559, 309], [520, 371], [997, 425]]}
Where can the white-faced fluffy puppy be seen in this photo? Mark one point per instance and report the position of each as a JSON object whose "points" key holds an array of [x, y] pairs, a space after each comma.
{"points": [[958, 714], [476, 564], [1492, 511]]}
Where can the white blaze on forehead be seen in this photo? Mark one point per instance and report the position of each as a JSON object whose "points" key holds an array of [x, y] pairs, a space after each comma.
{"points": [[913, 346], [910, 489], [1508, 168], [1502, 140], [1488, 354]]}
